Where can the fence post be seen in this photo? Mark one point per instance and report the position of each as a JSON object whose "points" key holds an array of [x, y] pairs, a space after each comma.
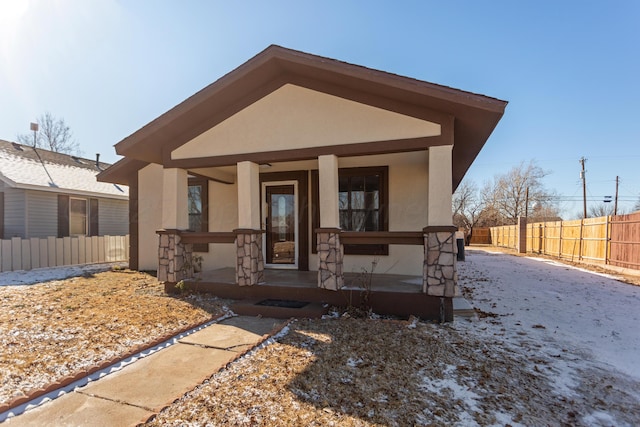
{"points": [[606, 241], [521, 243], [560, 242], [580, 242]]}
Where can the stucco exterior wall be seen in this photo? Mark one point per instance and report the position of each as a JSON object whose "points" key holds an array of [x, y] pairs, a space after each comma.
{"points": [[293, 117], [408, 186], [149, 215]]}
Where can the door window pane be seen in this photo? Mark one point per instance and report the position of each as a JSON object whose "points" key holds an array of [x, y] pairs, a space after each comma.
{"points": [[195, 207]]}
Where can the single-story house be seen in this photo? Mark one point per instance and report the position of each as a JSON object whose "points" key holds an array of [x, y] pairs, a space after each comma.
{"points": [[44, 193], [297, 162]]}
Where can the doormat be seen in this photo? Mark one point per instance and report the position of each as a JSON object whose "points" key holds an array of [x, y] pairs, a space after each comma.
{"points": [[283, 303]]}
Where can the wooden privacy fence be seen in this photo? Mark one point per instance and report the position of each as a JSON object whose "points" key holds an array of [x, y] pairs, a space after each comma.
{"points": [[625, 241], [480, 236], [611, 240], [26, 254]]}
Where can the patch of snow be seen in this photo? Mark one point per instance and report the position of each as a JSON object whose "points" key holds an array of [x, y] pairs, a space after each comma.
{"points": [[598, 418], [547, 302], [40, 275]]}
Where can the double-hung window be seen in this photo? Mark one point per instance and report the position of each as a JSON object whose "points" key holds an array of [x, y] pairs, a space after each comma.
{"points": [[362, 204]]}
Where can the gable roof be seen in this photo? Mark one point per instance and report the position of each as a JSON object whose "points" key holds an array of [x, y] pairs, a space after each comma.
{"points": [[25, 167], [474, 116]]}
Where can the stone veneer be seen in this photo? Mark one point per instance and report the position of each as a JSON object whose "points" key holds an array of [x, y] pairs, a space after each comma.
{"points": [[250, 264], [174, 257], [330, 256], [439, 277]]}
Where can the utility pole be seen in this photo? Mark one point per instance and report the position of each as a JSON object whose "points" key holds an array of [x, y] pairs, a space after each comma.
{"points": [[584, 188], [615, 204], [526, 203]]}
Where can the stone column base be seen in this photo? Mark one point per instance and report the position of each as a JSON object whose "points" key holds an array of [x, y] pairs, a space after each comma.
{"points": [[250, 264], [174, 257], [330, 256], [439, 277]]}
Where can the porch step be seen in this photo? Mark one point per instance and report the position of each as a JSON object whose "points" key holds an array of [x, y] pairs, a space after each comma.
{"points": [[279, 309]]}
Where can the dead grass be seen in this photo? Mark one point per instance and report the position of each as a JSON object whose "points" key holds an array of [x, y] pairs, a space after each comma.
{"points": [[52, 330], [350, 372]]}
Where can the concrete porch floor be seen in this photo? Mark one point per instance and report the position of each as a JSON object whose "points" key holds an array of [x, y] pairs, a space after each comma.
{"points": [[309, 279]]}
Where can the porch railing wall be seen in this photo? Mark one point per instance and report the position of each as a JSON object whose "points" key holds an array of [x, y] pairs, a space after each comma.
{"points": [[613, 240], [26, 254]]}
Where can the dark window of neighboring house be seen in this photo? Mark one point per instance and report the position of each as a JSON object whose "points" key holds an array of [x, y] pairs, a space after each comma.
{"points": [[198, 200], [77, 217], [363, 195]]}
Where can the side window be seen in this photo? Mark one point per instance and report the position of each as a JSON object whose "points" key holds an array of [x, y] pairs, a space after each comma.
{"points": [[198, 200]]}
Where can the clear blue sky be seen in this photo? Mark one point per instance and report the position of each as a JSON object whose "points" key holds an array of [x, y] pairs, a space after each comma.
{"points": [[569, 69]]}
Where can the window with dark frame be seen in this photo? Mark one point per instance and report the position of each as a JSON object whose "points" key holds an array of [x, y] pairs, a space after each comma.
{"points": [[198, 204], [363, 195], [78, 209]]}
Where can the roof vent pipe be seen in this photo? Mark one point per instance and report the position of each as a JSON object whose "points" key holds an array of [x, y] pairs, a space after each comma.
{"points": [[98, 160]]}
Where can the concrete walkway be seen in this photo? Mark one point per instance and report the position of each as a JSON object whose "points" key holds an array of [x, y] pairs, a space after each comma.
{"points": [[135, 393]]}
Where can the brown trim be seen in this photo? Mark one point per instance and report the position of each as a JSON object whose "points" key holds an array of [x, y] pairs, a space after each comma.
{"points": [[327, 230], [382, 237], [303, 209], [475, 115], [1, 215], [426, 307], [124, 171], [440, 229], [377, 248], [208, 237], [246, 231], [204, 184], [208, 178], [63, 215], [344, 150], [94, 223], [134, 237]]}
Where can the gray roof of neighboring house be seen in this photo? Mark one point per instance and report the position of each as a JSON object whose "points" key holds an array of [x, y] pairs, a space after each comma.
{"points": [[22, 166]]}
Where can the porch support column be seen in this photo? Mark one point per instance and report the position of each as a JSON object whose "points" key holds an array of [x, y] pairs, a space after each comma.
{"points": [[174, 257], [330, 251], [250, 263], [439, 277]]}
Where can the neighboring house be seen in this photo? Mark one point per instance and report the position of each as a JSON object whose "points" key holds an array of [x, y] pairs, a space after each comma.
{"points": [[44, 193], [306, 163]]}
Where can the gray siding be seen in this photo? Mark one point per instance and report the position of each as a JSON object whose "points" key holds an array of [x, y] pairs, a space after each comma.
{"points": [[113, 218], [35, 214], [14, 213], [42, 214]]}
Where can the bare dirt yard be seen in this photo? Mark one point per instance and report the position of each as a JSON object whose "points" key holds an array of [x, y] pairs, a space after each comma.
{"points": [[59, 328]]}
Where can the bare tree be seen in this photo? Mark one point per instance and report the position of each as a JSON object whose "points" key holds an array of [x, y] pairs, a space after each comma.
{"points": [[53, 134], [603, 209], [507, 197], [466, 206], [637, 206]]}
